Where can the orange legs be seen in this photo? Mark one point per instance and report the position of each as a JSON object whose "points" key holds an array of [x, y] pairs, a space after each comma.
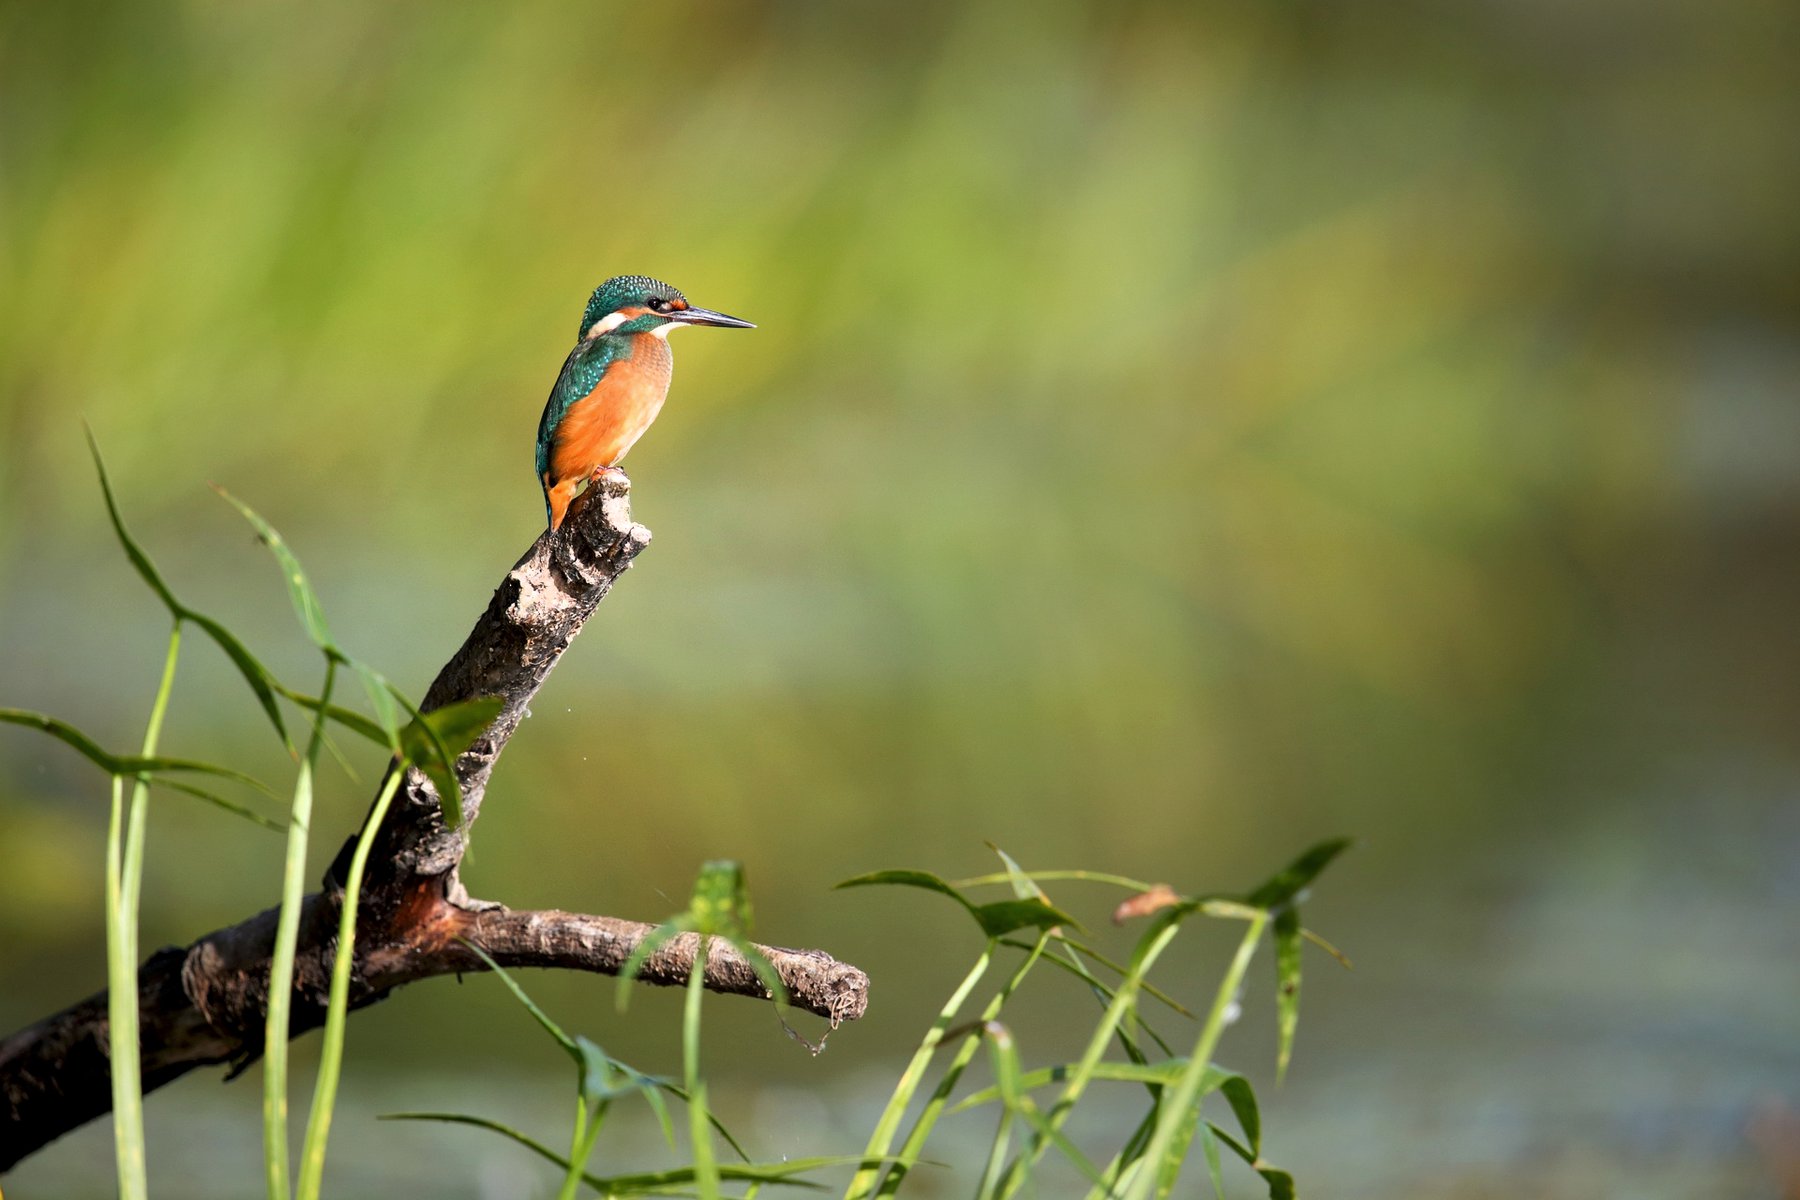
{"points": [[564, 497]]}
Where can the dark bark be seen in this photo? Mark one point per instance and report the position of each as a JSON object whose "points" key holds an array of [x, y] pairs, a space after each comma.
{"points": [[206, 1004]]}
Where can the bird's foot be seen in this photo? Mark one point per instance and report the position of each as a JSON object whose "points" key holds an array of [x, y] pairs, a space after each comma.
{"points": [[609, 481]]}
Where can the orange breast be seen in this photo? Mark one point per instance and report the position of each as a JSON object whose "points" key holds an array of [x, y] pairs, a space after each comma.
{"points": [[602, 426]]}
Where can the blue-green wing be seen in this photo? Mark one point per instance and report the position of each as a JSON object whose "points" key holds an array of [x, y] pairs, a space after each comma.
{"points": [[581, 371]]}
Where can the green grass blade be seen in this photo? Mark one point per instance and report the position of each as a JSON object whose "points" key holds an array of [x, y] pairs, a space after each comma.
{"points": [[1148, 988], [255, 674], [1071, 962], [1124, 1163], [1064, 1146], [381, 700], [992, 1174], [653, 941], [432, 741], [1185, 1094], [1150, 946], [1287, 985], [882, 1138], [1292, 879], [1122, 881], [67, 734], [1005, 1055], [1279, 1182], [706, 1167], [1215, 1170], [230, 806], [140, 561], [349, 719], [1242, 1099], [146, 764], [1169, 1170], [1024, 887], [940, 1096], [1155, 1073], [331, 1055], [281, 959], [537, 1014], [1327, 947], [122, 764], [532, 1144], [725, 1134], [281, 990], [306, 603], [905, 878], [122, 1015], [125, 876]]}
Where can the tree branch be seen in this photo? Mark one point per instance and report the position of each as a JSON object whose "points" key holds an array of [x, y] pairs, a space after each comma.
{"points": [[206, 1004]]}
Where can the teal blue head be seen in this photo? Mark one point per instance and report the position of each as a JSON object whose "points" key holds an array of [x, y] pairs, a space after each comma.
{"points": [[628, 304]]}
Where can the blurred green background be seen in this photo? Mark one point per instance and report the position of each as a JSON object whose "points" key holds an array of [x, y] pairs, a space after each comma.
{"points": [[1177, 432]]}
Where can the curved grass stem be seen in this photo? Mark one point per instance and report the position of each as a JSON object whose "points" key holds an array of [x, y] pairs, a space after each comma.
{"points": [[281, 965], [1176, 1104], [863, 1184], [124, 886], [331, 1055], [1083, 1074]]}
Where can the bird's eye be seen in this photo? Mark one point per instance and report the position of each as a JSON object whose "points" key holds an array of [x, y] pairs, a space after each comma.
{"points": [[659, 305]]}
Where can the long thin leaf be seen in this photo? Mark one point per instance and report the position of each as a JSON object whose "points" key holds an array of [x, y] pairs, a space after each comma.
{"points": [[996, 920], [141, 764], [432, 742], [1292, 879], [230, 806], [569, 1045], [349, 719], [1080, 971], [1215, 1170], [1242, 1098], [66, 733], [959, 1061], [1150, 946], [331, 1051], [1123, 1072], [651, 1182], [139, 560], [261, 681], [306, 602], [121, 764], [1063, 1145], [1122, 881], [1278, 1181], [653, 941], [1342, 958], [381, 699], [1185, 1094], [881, 1140], [1287, 985], [706, 1165], [448, 1118]]}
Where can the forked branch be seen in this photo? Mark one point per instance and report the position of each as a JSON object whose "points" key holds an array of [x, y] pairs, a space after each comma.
{"points": [[206, 1004]]}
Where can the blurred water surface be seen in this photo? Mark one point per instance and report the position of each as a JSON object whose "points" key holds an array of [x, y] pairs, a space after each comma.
{"points": [[1175, 433]]}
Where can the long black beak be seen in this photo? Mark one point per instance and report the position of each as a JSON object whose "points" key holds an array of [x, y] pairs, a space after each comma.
{"points": [[706, 316]]}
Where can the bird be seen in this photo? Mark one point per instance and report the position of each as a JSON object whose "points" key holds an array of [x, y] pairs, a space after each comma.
{"points": [[613, 383]]}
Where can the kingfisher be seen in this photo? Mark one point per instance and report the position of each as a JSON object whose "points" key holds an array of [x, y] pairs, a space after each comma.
{"points": [[612, 384]]}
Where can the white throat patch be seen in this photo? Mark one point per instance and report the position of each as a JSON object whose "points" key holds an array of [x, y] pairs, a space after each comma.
{"points": [[607, 324]]}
